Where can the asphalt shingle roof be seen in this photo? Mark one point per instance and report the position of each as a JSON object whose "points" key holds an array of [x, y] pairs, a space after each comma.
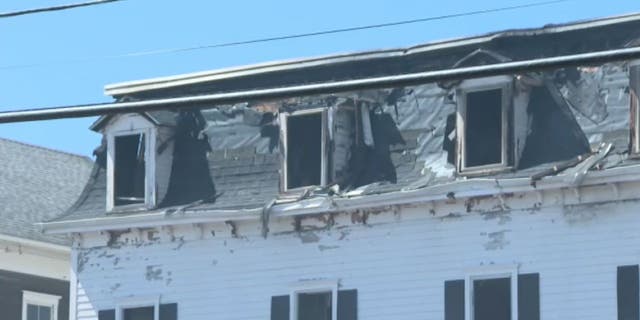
{"points": [[37, 184]]}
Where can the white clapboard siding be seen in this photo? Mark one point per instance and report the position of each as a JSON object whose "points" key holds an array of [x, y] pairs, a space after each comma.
{"points": [[398, 263]]}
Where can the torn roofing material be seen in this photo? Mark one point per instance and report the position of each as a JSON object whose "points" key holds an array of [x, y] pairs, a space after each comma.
{"points": [[411, 138], [36, 185]]}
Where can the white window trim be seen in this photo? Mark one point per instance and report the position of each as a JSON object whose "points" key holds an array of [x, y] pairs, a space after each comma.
{"points": [[491, 272], [138, 302], [314, 286], [505, 83], [324, 163], [150, 164], [40, 299]]}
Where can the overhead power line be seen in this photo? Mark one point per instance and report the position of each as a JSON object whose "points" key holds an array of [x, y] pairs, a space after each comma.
{"points": [[188, 102], [54, 8], [298, 35]]}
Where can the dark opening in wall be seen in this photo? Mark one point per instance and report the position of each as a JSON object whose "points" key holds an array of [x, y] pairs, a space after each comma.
{"points": [[483, 128], [129, 169], [314, 306], [304, 150], [143, 313], [492, 299]]}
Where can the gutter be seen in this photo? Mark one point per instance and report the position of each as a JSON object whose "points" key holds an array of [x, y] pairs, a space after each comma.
{"points": [[461, 189], [36, 244]]}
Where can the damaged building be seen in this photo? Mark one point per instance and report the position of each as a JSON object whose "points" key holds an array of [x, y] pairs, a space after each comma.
{"points": [[505, 197]]}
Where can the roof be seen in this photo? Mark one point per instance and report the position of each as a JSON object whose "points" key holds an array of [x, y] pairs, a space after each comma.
{"points": [[381, 62], [37, 184], [572, 111]]}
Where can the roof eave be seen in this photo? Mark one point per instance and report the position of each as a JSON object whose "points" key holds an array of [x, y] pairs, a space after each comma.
{"points": [[462, 189], [131, 87]]}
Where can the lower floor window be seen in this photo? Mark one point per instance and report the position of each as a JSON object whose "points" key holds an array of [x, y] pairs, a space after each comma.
{"points": [[314, 306], [39, 306], [492, 299], [141, 313]]}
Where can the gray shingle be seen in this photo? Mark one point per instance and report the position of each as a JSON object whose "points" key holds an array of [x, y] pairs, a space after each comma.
{"points": [[36, 185]]}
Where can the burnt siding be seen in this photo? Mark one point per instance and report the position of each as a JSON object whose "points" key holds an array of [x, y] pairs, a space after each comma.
{"points": [[12, 284]]}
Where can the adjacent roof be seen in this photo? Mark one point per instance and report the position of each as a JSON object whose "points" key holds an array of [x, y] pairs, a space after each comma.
{"points": [[571, 111], [37, 184]]}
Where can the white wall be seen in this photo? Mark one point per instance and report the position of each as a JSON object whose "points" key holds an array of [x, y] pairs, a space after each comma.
{"points": [[398, 260], [25, 258]]}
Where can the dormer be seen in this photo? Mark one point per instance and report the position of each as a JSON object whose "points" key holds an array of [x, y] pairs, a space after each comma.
{"points": [[139, 159]]}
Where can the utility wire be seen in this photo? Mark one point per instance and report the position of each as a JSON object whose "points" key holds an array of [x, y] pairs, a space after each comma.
{"points": [[54, 8], [294, 36]]}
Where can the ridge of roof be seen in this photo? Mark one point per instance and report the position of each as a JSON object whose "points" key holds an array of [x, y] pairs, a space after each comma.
{"points": [[29, 145], [264, 67]]}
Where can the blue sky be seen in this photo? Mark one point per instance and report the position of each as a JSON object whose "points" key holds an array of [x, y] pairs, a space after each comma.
{"points": [[62, 58]]}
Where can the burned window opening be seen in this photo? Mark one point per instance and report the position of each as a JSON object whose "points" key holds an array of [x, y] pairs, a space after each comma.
{"points": [[304, 150], [492, 299], [483, 132], [129, 169], [314, 306]]}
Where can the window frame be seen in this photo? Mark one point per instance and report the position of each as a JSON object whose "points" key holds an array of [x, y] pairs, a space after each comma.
{"points": [[324, 162], [634, 107], [503, 83], [41, 300], [486, 273], [149, 175], [315, 286], [138, 302]]}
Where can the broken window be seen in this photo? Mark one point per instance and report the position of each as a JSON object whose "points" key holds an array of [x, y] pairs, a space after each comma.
{"points": [[141, 313], [129, 169], [305, 156], [314, 306], [483, 124], [492, 299]]}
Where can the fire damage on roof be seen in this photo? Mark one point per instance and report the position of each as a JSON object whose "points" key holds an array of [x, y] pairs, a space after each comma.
{"points": [[234, 157]]}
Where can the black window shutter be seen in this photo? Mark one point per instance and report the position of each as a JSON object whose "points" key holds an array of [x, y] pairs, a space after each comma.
{"points": [[628, 298], [454, 300], [348, 304], [107, 314], [169, 311], [529, 296], [280, 308]]}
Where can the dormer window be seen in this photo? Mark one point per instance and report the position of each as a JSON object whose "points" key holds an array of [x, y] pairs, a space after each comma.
{"points": [[483, 125], [129, 170], [131, 162], [304, 135]]}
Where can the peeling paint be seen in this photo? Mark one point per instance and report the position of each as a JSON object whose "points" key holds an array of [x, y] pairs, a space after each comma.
{"points": [[83, 259], [497, 240], [503, 217], [115, 287], [309, 237], [153, 273], [579, 214], [324, 248]]}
